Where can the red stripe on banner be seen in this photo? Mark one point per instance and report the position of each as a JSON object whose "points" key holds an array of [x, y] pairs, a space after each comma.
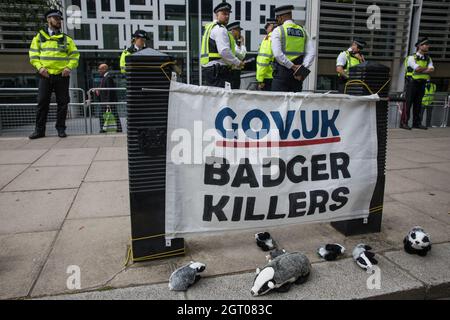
{"points": [[271, 144]]}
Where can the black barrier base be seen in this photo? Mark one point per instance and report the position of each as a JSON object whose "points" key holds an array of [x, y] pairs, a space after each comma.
{"points": [[357, 226], [147, 225]]}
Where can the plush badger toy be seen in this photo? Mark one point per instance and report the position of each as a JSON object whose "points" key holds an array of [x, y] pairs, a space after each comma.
{"points": [[264, 241], [331, 251], [417, 241], [363, 257], [275, 253], [281, 272], [182, 278]]}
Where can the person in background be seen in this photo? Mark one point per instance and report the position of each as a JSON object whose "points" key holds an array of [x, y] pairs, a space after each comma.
{"points": [[347, 59], [138, 43], [240, 52], [264, 59], [54, 55], [427, 102], [107, 81]]}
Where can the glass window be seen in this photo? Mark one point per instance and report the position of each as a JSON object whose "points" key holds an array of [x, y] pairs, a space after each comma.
{"points": [[84, 33], [262, 20], [91, 10], [175, 12], [106, 5], [120, 5], [262, 7], [237, 12], [248, 40], [141, 15], [137, 2], [248, 11], [166, 33], [111, 36], [182, 33]]}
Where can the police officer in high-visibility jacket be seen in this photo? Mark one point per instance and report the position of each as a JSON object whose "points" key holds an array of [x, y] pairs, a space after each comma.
{"points": [[292, 47], [427, 101], [54, 55], [418, 68], [240, 52], [218, 53], [264, 59], [347, 59], [138, 43]]}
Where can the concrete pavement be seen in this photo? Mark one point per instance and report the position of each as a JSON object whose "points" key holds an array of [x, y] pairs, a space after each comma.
{"points": [[65, 202]]}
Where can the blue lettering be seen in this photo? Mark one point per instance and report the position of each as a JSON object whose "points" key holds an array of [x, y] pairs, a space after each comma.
{"points": [[283, 127], [224, 113], [329, 123], [315, 124], [249, 132]]}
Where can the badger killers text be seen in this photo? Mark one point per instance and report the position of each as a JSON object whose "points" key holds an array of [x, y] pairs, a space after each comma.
{"points": [[321, 167]]}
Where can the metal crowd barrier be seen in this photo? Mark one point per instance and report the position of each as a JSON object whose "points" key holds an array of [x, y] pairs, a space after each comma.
{"points": [[436, 115], [94, 127], [18, 118]]}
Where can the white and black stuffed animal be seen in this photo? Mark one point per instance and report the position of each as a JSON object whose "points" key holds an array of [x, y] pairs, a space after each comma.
{"points": [[331, 251], [264, 241], [281, 272], [363, 257], [184, 277], [275, 253], [417, 241]]}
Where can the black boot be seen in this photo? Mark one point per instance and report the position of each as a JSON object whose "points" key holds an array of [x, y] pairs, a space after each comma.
{"points": [[37, 135], [405, 126], [420, 127], [62, 134]]}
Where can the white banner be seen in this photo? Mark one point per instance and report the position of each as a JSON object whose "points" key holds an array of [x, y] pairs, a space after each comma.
{"points": [[246, 159]]}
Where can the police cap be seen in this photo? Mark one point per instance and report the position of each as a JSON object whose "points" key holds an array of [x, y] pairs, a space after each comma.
{"points": [[422, 41], [223, 6], [234, 25], [279, 11], [53, 13], [270, 21], [140, 34], [359, 42]]}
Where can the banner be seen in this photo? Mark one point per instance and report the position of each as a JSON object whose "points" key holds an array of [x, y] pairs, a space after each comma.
{"points": [[247, 159]]}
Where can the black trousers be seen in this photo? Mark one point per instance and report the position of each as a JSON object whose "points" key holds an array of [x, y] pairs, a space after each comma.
{"points": [[59, 85], [216, 75], [415, 90], [341, 82], [267, 85], [113, 108], [283, 78], [235, 79]]}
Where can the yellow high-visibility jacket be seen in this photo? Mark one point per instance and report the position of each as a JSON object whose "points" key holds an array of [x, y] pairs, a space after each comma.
{"points": [[55, 53], [264, 60]]}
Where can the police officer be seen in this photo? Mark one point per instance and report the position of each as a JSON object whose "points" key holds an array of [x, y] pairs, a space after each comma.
{"points": [[264, 59], [54, 55], [218, 53], [138, 42], [418, 69], [292, 48], [347, 59], [240, 52], [427, 101]]}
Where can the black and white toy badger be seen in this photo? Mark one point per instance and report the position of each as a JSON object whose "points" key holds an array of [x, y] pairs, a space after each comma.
{"points": [[264, 241], [330, 251], [417, 241], [281, 272], [182, 278], [363, 257]]}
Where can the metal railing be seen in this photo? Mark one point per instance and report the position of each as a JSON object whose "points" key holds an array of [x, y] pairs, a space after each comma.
{"points": [[436, 115], [121, 109], [17, 118]]}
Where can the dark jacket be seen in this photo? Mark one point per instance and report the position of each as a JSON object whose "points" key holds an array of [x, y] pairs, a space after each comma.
{"points": [[108, 95]]}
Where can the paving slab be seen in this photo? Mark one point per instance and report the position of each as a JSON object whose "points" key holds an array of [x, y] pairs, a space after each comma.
{"points": [[399, 218], [43, 143], [120, 141], [34, 211], [108, 171], [97, 246], [71, 142], [67, 157], [20, 156], [101, 199], [154, 292], [445, 167], [112, 153], [397, 183], [341, 279], [394, 162], [428, 176], [433, 269], [12, 143], [21, 259], [99, 141], [47, 178], [417, 156], [435, 203], [143, 275], [9, 171]]}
